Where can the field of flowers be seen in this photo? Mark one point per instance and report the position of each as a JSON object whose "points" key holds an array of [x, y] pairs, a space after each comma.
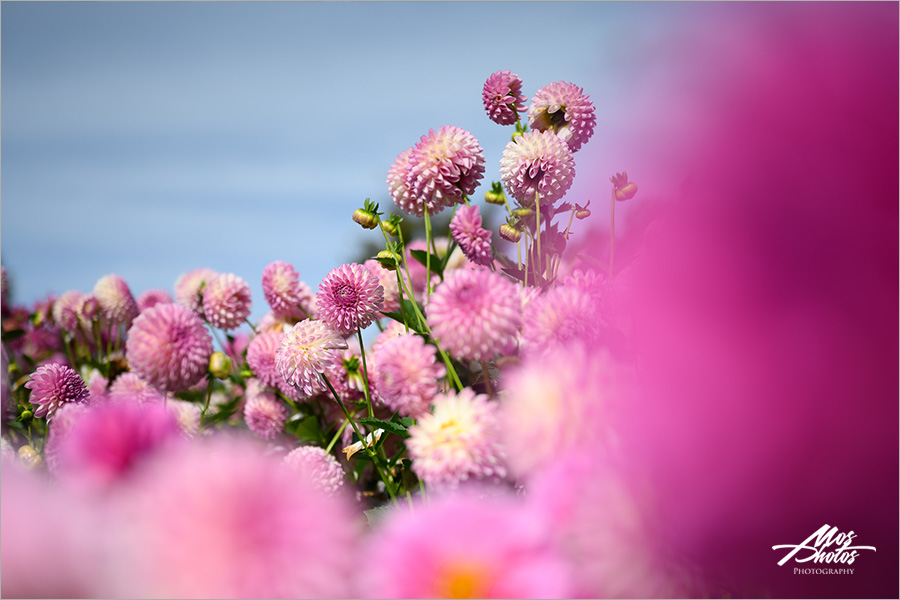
{"points": [[535, 418]]}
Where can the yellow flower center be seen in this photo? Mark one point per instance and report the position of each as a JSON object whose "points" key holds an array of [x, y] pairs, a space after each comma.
{"points": [[462, 580]]}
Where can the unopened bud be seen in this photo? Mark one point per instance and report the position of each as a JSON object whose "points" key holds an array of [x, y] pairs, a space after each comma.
{"points": [[390, 228], [367, 219], [523, 212], [626, 192], [389, 260], [219, 365], [30, 458], [510, 233], [582, 214], [26, 415], [492, 197]]}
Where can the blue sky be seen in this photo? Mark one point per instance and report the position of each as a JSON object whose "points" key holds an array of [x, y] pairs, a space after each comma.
{"points": [[150, 138]]}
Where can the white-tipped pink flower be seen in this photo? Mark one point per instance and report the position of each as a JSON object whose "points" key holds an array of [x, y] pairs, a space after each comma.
{"points": [[349, 298], [284, 291], [305, 352], [116, 302], [189, 289], [564, 109], [54, 385], [503, 98], [474, 239], [537, 162]]}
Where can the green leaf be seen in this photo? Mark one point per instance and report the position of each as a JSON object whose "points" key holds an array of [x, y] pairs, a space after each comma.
{"points": [[306, 428], [410, 311], [388, 426], [437, 264], [406, 421], [450, 248]]}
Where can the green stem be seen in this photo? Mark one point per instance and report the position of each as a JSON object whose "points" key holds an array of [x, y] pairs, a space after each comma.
{"points": [[337, 436], [427, 251], [537, 203], [362, 353], [362, 438], [209, 388]]}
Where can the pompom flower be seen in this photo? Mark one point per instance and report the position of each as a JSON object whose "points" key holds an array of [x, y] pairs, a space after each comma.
{"points": [[152, 298], [65, 311], [226, 301], [54, 385], [261, 357], [398, 186], [388, 281], [282, 289], [189, 289], [560, 317], [537, 161], [108, 441], [462, 546], [406, 374], [115, 299], [474, 240], [459, 440], [555, 402], [128, 387], [265, 415], [564, 109], [224, 520], [305, 352], [349, 298], [319, 467], [503, 98], [475, 314], [443, 167], [169, 347]]}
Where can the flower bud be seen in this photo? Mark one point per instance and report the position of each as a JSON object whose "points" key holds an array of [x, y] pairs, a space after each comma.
{"points": [[366, 218], [523, 213], [219, 365], [626, 192], [389, 260], [582, 214], [390, 228], [510, 233], [30, 458], [26, 416], [492, 197]]}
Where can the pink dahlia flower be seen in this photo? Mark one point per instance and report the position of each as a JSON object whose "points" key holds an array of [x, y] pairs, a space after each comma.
{"points": [[96, 386], [169, 347], [189, 289], [388, 281], [392, 330], [283, 291], [475, 315], [226, 301], [88, 309], [349, 298], [406, 374], [556, 402], [109, 441], [261, 357], [318, 467], [458, 440], [398, 186], [265, 415], [65, 311], [560, 317], [474, 240], [460, 546], [115, 299], [503, 98], [564, 109], [224, 520], [443, 167], [304, 353], [187, 415], [129, 387], [54, 385], [152, 298], [537, 162]]}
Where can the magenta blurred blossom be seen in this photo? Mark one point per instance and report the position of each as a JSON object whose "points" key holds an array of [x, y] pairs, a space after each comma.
{"points": [[129, 387], [265, 415], [407, 374], [475, 315], [54, 385], [537, 162], [318, 467], [503, 98], [464, 546], [560, 317], [169, 347], [349, 298], [227, 301], [564, 109], [152, 298], [458, 440], [474, 240]]}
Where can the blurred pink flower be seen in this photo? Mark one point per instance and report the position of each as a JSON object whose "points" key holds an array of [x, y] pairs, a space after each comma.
{"points": [[317, 466], [564, 109], [459, 440], [283, 290], [227, 301], [115, 299], [406, 373], [189, 289], [461, 546], [560, 317], [398, 185], [349, 298], [475, 315], [65, 311], [503, 98], [152, 298], [537, 161], [169, 347], [388, 281], [265, 415], [261, 357], [129, 387]]}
